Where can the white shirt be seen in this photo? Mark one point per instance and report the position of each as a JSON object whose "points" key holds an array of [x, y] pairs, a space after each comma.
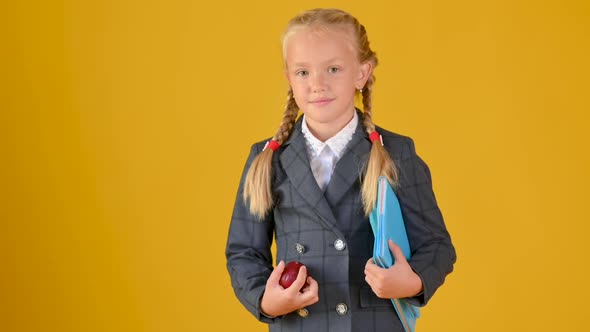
{"points": [[323, 156]]}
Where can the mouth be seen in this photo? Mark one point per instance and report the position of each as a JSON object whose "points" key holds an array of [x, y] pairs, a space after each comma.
{"points": [[321, 101]]}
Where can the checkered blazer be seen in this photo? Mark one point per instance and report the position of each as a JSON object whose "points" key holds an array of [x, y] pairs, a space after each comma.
{"points": [[328, 232]]}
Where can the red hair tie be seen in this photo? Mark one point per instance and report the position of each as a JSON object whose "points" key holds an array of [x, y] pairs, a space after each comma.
{"points": [[375, 136], [272, 144]]}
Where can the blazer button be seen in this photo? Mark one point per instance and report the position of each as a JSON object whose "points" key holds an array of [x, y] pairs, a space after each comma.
{"points": [[300, 248], [341, 309], [303, 312], [339, 244]]}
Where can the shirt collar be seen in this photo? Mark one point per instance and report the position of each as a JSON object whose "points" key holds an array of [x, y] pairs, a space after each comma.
{"points": [[337, 143]]}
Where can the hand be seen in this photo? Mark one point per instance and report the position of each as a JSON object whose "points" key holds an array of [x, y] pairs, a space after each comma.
{"points": [[278, 301], [396, 282]]}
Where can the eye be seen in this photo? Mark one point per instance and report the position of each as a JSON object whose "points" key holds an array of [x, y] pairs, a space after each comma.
{"points": [[333, 70], [302, 73]]}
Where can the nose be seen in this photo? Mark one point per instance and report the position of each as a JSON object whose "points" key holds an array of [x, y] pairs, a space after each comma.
{"points": [[317, 83]]}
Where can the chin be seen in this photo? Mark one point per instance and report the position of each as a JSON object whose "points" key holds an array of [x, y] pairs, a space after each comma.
{"points": [[325, 115], [320, 116]]}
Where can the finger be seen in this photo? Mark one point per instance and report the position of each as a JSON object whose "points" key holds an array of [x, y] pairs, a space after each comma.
{"points": [[275, 275], [300, 280], [311, 285], [371, 268], [369, 281], [368, 265], [374, 285], [397, 252], [307, 284], [310, 293]]}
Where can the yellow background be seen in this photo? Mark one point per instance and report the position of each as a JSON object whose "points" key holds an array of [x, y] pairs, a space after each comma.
{"points": [[124, 126]]}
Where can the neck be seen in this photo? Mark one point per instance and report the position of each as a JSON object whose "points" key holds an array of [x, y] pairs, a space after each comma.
{"points": [[327, 130]]}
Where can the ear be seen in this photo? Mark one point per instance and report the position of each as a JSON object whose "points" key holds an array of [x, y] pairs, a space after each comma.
{"points": [[365, 71]]}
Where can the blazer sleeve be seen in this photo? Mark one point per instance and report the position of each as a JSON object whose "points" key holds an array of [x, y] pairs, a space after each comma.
{"points": [[248, 250], [433, 253]]}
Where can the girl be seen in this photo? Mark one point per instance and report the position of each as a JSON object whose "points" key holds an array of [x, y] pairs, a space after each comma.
{"points": [[312, 186]]}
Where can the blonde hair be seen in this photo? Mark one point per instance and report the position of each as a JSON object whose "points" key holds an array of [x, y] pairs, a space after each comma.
{"points": [[257, 186]]}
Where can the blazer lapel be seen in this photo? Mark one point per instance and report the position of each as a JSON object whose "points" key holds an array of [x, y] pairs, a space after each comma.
{"points": [[295, 163], [350, 168]]}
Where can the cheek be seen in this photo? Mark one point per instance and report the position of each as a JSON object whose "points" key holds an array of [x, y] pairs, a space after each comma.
{"points": [[298, 97], [346, 87], [298, 85], [298, 91], [345, 82]]}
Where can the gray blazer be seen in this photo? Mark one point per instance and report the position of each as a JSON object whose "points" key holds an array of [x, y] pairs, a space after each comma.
{"points": [[328, 232]]}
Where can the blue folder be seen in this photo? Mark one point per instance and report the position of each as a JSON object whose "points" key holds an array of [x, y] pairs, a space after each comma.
{"points": [[387, 223]]}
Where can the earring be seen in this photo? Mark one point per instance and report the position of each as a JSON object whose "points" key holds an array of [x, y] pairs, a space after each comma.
{"points": [[361, 90]]}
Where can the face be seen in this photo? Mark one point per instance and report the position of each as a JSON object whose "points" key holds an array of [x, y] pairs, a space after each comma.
{"points": [[324, 73]]}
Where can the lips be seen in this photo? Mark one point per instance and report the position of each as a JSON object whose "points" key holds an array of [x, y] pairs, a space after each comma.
{"points": [[321, 101]]}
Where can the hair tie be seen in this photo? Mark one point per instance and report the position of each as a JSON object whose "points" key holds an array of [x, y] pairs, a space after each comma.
{"points": [[376, 136], [272, 144]]}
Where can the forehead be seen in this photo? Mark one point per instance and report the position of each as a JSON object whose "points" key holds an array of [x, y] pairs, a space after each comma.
{"points": [[312, 44]]}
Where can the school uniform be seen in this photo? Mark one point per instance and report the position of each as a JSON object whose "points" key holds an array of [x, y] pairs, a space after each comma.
{"points": [[328, 232]]}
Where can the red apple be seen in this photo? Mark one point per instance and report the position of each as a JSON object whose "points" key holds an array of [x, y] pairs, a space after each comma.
{"points": [[290, 274]]}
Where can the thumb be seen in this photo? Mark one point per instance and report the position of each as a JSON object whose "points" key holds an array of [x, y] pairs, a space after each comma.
{"points": [[275, 276], [397, 252], [299, 282]]}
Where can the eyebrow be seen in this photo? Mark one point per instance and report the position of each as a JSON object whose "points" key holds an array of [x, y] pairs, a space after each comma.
{"points": [[303, 64]]}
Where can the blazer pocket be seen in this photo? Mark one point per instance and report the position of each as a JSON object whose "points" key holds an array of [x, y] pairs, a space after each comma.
{"points": [[370, 300]]}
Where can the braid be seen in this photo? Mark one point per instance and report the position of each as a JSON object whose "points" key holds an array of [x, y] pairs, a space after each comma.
{"points": [[368, 105], [379, 162], [288, 121], [257, 186]]}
